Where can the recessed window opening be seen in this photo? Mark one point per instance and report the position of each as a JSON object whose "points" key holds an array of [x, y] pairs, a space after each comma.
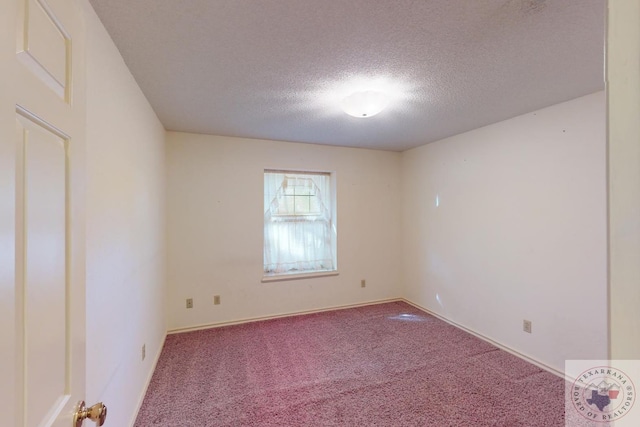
{"points": [[299, 223]]}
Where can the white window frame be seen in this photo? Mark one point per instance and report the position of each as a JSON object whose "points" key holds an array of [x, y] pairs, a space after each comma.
{"points": [[332, 224]]}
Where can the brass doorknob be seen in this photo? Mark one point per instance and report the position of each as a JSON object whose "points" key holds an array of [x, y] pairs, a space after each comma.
{"points": [[97, 413]]}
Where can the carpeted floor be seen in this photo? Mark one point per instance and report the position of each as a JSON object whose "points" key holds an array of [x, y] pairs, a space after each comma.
{"points": [[381, 365]]}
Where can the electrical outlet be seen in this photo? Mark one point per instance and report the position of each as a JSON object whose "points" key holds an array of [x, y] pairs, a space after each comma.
{"points": [[189, 302], [363, 283], [144, 351], [216, 299], [526, 326]]}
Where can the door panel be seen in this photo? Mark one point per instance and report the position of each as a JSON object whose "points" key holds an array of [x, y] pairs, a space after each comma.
{"points": [[43, 43], [43, 284]]}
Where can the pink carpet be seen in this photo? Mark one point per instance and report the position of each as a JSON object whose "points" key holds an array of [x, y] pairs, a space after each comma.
{"points": [[381, 365]]}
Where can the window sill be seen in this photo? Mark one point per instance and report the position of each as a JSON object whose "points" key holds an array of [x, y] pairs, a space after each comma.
{"points": [[298, 276]]}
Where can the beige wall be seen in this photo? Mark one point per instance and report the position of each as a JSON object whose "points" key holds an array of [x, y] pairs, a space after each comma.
{"points": [[125, 239], [215, 227], [623, 85], [518, 232]]}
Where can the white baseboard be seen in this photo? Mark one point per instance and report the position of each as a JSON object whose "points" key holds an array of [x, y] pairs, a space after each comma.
{"points": [[489, 340], [147, 382], [277, 316], [363, 304]]}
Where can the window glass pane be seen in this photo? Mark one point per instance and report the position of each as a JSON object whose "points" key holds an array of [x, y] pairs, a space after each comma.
{"points": [[314, 205], [289, 203]]}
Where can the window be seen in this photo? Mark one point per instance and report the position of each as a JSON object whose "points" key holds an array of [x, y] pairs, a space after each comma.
{"points": [[299, 225]]}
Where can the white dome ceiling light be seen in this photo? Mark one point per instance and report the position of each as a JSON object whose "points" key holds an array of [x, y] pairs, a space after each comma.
{"points": [[365, 103]]}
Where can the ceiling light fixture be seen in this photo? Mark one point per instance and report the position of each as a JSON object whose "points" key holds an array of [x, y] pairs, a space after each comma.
{"points": [[365, 103]]}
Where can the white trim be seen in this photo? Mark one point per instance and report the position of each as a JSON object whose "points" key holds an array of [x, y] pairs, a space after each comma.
{"points": [[499, 345], [37, 120], [146, 385], [310, 275], [296, 171], [55, 410], [382, 301], [489, 340], [278, 316]]}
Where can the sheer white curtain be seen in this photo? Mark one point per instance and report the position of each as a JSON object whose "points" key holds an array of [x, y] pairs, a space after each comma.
{"points": [[297, 229]]}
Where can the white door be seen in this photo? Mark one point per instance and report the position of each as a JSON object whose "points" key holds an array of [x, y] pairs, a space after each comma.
{"points": [[42, 313]]}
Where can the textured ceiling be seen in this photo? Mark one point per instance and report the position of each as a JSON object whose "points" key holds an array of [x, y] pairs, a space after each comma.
{"points": [[275, 69]]}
